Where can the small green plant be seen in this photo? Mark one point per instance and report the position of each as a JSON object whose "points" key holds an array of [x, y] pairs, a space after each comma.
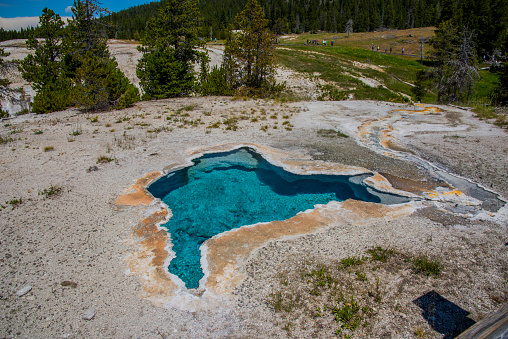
{"points": [[215, 125], [376, 292], [188, 108], [419, 333], [76, 131], [380, 254], [94, 119], [350, 261], [14, 202], [37, 131], [103, 159], [348, 314], [48, 148], [50, 192], [342, 135], [361, 276], [427, 264], [5, 140]]}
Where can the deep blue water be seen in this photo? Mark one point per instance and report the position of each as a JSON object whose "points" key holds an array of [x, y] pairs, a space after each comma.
{"points": [[223, 191]]}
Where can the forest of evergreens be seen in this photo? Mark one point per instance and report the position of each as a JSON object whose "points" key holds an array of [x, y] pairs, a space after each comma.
{"points": [[23, 33], [488, 18]]}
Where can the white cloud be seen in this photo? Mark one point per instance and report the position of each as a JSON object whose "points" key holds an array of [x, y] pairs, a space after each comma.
{"points": [[17, 23], [25, 22], [68, 9]]}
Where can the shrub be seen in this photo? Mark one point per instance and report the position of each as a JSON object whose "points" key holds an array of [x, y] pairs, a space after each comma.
{"points": [[215, 83], [163, 76], [51, 99], [130, 96]]}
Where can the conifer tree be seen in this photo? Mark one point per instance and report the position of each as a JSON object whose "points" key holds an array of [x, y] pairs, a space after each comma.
{"points": [[44, 68], [169, 51], [456, 68], [249, 59], [98, 83]]}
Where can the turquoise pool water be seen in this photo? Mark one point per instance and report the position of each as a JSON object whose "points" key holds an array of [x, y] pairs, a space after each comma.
{"points": [[224, 191]]}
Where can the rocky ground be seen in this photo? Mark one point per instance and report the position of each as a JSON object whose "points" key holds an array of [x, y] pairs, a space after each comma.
{"points": [[63, 242]]}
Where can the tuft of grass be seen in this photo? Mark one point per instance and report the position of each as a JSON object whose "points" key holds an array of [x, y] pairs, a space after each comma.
{"points": [[5, 140], [48, 148], [103, 159], [76, 131], [381, 254], [51, 192], [426, 264], [361, 276], [331, 133], [316, 292], [342, 135], [350, 261], [14, 202], [37, 131]]}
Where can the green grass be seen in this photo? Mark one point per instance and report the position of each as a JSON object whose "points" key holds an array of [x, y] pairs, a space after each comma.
{"points": [[340, 68], [50, 192], [381, 254], [427, 264], [103, 159], [314, 292], [15, 202]]}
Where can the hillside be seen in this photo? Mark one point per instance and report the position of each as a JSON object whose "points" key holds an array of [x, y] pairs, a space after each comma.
{"points": [[489, 19]]}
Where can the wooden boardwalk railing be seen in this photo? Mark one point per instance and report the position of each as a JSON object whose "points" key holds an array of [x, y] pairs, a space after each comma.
{"points": [[494, 326]]}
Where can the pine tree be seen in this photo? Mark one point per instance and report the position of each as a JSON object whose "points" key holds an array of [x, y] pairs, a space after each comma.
{"points": [[456, 68], [44, 69], [169, 51], [98, 83], [249, 59]]}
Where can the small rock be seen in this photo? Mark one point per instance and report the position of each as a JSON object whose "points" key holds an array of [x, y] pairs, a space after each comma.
{"points": [[89, 314], [71, 284], [92, 169], [24, 291]]}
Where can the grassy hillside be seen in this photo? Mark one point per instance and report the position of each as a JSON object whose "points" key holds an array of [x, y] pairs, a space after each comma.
{"points": [[352, 70]]}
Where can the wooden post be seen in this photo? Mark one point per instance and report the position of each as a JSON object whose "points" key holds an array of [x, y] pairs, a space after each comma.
{"points": [[494, 326]]}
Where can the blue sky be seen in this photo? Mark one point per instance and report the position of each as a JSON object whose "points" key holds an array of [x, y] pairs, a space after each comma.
{"points": [[23, 13]]}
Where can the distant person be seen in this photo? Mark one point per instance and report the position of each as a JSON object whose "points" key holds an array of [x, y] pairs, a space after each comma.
{"points": [[402, 50], [372, 47], [331, 43], [390, 49], [215, 40], [386, 50], [378, 48]]}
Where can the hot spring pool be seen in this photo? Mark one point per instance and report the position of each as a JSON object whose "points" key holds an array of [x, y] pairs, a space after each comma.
{"points": [[223, 191]]}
